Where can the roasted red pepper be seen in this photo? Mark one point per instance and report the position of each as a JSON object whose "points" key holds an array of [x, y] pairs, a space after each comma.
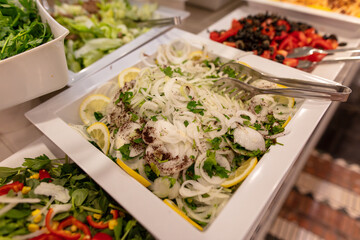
{"points": [[15, 186], [44, 174]]}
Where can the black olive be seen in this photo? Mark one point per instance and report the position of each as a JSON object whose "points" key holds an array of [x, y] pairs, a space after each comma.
{"points": [[240, 44], [279, 57], [342, 44]]}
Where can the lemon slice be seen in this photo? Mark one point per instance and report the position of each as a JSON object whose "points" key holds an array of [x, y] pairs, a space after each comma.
{"points": [[244, 63], [132, 173], [173, 206], [127, 75], [99, 132], [90, 105], [286, 122], [241, 173], [286, 101], [196, 55]]}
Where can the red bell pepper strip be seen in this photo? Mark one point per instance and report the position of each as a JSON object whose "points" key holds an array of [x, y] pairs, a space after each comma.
{"points": [[44, 174], [15, 186], [73, 221], [115, 213], [67, 222], [98, 225], [221, 37], [102, 236]]}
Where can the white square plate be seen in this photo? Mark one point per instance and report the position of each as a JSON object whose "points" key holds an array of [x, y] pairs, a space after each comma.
{"points": [[163, 12], [241, 214], [346, 32]]}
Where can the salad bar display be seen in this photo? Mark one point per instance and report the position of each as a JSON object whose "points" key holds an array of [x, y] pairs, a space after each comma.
{"points": [[54, 199], [99, 27], [273, 37], [153, 147]]}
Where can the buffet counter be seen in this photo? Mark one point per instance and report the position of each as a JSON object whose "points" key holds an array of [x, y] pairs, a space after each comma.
{"points": [[16, 131]]}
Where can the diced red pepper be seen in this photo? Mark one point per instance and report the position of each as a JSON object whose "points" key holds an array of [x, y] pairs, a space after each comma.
{"points": [[269, 31], [15, 186], [292, 62], [288, 43], [300, 36], [44, 174], [282, 36], [102, 236], [98, 225]]}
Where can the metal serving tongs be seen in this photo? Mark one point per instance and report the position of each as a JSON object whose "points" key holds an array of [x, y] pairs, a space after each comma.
{"points": [[242, 89]]}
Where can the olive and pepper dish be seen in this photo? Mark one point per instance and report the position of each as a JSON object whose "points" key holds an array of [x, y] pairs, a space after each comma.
{"points": [[273, 37]]}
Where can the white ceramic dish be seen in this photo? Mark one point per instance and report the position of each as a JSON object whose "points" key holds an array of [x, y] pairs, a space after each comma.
{"points": [[323, 24], [36, 72], [242, 213], [162, 11]]}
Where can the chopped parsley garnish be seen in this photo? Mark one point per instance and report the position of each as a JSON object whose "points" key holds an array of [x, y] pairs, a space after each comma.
{"points": [[192, 106], [258, 109], [186, 123], [215, 143], [125, 152], [150, 173], [138, 140], [154, 118], [178, 70], [134, 117], [190, 172], [98, 116], [167, 71], [212, 168], [125, 97]]}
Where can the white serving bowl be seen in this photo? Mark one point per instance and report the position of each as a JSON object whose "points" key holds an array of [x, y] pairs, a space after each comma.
{"points": [[36, 72]]}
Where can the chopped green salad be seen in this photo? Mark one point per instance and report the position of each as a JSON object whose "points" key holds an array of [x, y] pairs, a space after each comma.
{"points": [[99, 27], [54, 199], [21, 27]]}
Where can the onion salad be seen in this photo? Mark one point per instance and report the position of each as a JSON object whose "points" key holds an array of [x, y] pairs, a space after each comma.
{"points": [[171, 127]]}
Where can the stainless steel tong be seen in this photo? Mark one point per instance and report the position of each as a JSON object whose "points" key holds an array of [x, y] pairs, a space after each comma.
{"points": [[241, 87]]}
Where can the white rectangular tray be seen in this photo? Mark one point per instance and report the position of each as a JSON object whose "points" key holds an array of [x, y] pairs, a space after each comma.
{"points": [[244, 210], [164, 12], [346, 32]]}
